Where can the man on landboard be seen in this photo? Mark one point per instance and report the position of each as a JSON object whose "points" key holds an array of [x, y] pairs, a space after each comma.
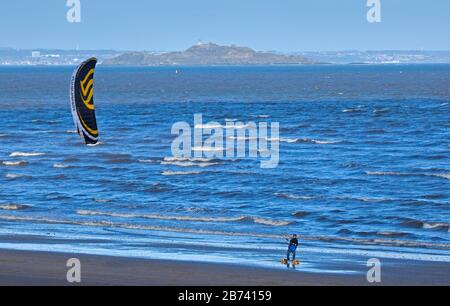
{"points": [[292, 249]]}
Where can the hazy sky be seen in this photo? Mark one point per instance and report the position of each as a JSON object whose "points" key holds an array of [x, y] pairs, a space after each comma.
{"points": [[284, 25]]}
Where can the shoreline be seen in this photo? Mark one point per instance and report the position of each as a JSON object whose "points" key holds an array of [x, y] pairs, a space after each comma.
{"points": [[30, 268]]}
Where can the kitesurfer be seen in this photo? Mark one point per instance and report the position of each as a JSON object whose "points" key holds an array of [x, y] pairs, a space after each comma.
{"points": [[292, 248]]}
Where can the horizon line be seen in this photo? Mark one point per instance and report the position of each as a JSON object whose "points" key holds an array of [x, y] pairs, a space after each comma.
{"points": [[234, 45]]}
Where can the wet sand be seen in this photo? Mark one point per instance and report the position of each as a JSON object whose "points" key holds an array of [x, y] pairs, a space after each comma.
{"points": [[43, 268]]}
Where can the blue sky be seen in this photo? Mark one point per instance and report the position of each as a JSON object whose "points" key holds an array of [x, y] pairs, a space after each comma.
{"points": [[283, 25]]}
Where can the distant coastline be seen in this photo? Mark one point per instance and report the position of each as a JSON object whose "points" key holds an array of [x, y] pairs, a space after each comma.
{"points": [[210, 54]]}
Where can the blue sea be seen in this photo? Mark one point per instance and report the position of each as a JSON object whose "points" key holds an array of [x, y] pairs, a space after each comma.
{"points": [[364, 164]]}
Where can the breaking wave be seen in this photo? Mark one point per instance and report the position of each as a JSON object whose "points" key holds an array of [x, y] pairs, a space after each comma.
{"points": [[102, 200], [220, 126], [265, 221], [353, 110], [14, 163], [25, 154], [148, 161], [60, 166], [174, 173], [306, 140], [209, 126], [209, 149], [293, 196], [14, 207], [286, 140], [272, 222], [193, 159], [13, 176], [382, 173], [375, 233], [426, 225], [361, 241], [442, 175], [365, 199], [242, 138], [326, 141], [189, 162]]}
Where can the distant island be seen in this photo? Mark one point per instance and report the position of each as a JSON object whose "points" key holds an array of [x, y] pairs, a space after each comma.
{"points": [[214, 54], [207, 54]]}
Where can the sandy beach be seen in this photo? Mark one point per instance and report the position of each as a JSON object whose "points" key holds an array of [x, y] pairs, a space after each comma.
{"points": [[49, 269]]}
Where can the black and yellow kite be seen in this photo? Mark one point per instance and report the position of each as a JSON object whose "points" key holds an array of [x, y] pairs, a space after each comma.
{"points": [[82, 101]]}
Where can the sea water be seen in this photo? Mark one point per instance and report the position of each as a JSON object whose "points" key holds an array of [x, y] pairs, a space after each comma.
{"points": [[364, 164]]}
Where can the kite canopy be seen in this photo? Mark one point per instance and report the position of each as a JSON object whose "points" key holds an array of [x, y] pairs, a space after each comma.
{"points": [[82, 101]]}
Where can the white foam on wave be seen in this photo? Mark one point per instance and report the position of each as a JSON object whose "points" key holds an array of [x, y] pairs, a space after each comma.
{"points": [[374, 242], [186, 164], [381, 110], [286, 140], [207, 149], [442, 175], [175, 173], [13, 176], [436, 225], [326, 141], [192, 159], [14, 163], [100, 143], [305, 140], [248, 138], [148, 161], [220, 126], [60, 166], [242, 138], [392, 173], [272, 222], [293, 196], [386, 173], [259, 220], [209, 126], [365, 199], [159, 217], [102, 200], [353, 110], [26, 154], [13, 207], [189, 162]]}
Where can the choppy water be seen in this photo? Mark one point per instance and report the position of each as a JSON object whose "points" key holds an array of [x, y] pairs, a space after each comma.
{"points": [[364, 165]]}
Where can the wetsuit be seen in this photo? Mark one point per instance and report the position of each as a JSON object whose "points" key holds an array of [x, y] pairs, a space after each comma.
{"points": [[293, 244]]}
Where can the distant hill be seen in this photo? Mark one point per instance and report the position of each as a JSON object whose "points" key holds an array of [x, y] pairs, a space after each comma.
{"points": [[213, 54], [207, 54]]}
